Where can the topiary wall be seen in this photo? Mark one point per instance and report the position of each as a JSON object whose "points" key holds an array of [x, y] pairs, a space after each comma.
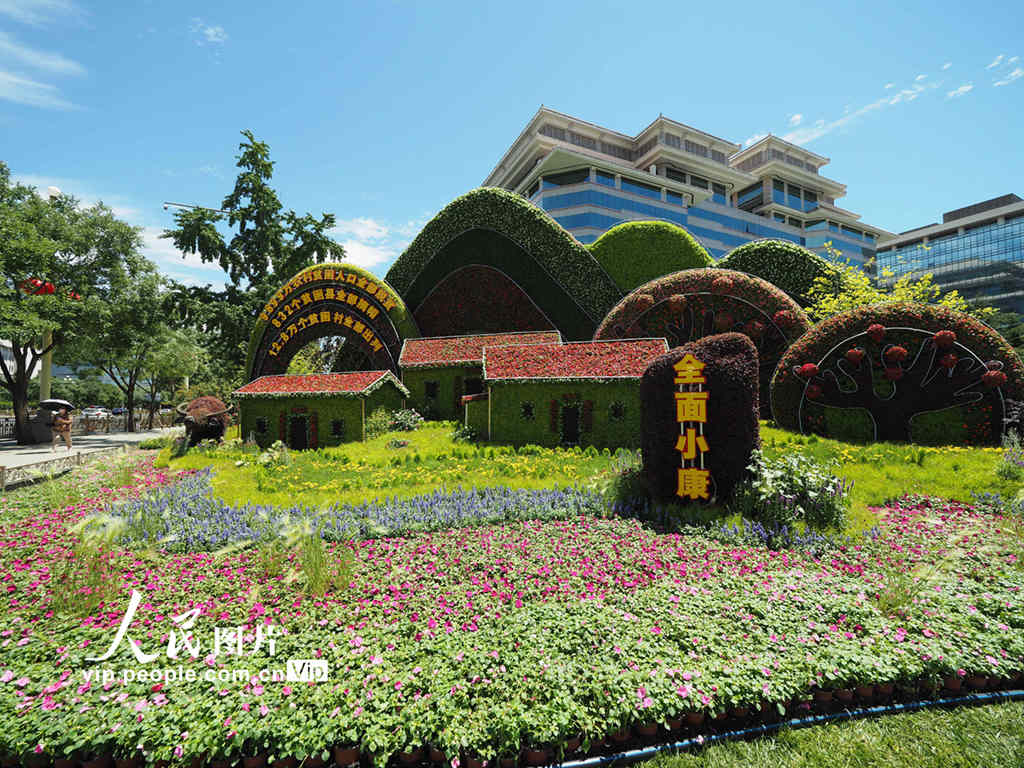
{"points": [[694, 303], [451, 386], [475, 415], [528, 411], [731, 429], [496, 228], [785, 265], [899, 372], [636, 252]]}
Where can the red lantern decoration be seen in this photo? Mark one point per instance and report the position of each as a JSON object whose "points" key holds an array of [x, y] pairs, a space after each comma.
{"points": [[944, 339], [896, 354], [876, 332], [993, 379], [948, 361], [855, 355], [807, 371], [814, 392]]}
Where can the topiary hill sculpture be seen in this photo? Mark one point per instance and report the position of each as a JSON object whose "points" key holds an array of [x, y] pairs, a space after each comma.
{"points": [[636, 252], [689, 305], [786, 265], [899, 372], [730, 430]]}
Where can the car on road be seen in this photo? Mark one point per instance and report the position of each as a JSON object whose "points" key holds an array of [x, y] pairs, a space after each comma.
{"points": [[95, 412], [119, 411]]}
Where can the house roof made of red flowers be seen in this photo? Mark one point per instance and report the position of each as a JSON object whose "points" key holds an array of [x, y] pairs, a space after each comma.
{"points": [[351, 384], [618, 359], [437, 351]]}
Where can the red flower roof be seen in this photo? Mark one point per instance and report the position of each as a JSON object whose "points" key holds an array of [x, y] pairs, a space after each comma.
{"points": [[355, 382], [619, 359], [452, 350]]}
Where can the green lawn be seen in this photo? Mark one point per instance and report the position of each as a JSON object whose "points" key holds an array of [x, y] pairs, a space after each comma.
{"points": [[983, 736]]}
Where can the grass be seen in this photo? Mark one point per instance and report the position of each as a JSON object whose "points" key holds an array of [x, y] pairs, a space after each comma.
{"points": [[965, 737], [357, 472], [883, 471]]}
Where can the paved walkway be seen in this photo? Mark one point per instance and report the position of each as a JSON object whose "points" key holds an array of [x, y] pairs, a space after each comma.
{"points": [[14, 455]]}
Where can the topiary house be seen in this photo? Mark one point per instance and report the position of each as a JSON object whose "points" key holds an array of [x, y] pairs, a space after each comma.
{"points": [[313, 411], [899, 372], [636, 252], [439, 370], [582, 393]]}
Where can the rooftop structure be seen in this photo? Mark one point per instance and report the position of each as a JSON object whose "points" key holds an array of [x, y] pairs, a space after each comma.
{"points": [[584, 360], [442, 351], [324, 384], [590, 178]]}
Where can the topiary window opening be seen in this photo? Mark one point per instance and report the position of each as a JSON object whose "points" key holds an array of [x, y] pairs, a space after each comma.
{"points": [[337, 428], [617, 411], [430, 390], [526, 411], [474, 387], [261, 426]]}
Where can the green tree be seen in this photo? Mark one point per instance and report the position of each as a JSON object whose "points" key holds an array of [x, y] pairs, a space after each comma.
{"points": [[858, 289], [120, 332], [173, 357], [267, 247], [55, 259]]}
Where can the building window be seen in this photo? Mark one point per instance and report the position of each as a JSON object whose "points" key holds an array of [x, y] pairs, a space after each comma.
{"points": [[810, 200], [779, 217], [697, 181], [674, 175], [833, 227], [793, 199], [795, 222], [751, 197], [818, 225], [261, 426], [616, 411], [641, 189], [718, 193], [526, 411], [672, 140], [696, 149], [717, 156], [430, 390], [473, 387], [673, 197], [554, 132], [337, 427], [607, 179], [564, 179], [582, 141]]}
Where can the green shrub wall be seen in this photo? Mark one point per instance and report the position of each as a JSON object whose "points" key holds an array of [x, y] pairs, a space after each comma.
{"points": [[450, 389], [475, 416], [636, 252], [785, 265], [509, 426], [497, 228]]}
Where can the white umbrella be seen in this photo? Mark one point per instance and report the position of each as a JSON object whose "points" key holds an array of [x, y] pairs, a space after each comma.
{"points": [[53, 404]]}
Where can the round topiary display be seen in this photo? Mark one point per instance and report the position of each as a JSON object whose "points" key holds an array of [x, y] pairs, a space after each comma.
{"points": [[636, 252], [694, 303], [786, 265], [730, 427], [901, 372]]}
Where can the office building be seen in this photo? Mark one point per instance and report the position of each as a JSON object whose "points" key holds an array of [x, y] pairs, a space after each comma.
{"points": [[977, 250], [590, 178]]}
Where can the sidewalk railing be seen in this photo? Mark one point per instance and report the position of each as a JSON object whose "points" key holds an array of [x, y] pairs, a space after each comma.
{"points": [[30, 473]]}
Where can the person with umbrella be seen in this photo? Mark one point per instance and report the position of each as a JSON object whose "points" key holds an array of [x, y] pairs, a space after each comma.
{"points": [[61, 425]]}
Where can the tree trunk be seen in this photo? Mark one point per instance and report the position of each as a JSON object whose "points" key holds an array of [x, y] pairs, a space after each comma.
{"points": [[19, 398], [129, 395]]}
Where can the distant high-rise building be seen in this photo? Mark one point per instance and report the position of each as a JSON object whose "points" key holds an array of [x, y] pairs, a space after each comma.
{"points": [[590, 178], [977, 250]]}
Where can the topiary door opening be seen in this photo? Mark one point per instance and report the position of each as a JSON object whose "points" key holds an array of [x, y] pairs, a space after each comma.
{"points": [[297, 433], [571, 424]]}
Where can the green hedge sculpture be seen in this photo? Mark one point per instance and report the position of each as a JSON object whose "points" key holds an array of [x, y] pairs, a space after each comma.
{"points": [[786, 265], [636, 252]]}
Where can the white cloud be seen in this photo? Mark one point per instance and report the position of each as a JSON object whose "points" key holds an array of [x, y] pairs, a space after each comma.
{"points": [[1014, 75], [753, 139], [11, 49], [996, 61], [31, 93], [1013, 60], [794, 120], [947, 65], [208, 34], [368, 256], [919, 78], [890, 85], [961, 91], [362, 228], [37, 12]]}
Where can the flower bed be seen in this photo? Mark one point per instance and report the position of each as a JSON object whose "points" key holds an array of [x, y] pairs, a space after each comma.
{"points": [[481, 641]]}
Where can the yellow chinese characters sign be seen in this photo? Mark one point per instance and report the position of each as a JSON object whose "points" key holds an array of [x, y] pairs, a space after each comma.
{"points": [[338, 276], [692, 415]]}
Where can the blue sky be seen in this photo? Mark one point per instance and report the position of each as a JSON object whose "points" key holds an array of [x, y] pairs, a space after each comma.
{"points": [[382, 112]]}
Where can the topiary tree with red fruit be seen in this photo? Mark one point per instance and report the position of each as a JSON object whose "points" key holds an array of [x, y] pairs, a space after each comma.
{"points": [[694, 303], [898, 372]]}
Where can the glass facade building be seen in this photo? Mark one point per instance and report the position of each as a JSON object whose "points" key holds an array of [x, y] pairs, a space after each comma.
{"points": [[978, 251]]}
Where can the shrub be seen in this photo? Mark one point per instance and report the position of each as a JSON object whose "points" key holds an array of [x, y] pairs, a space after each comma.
{"points": [[636, 252], [788, 266], [732, 429], [558, 274], [792, 489], [1011, 465], [382, 420], [464, 434], [891, 369], [694, 303]]}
